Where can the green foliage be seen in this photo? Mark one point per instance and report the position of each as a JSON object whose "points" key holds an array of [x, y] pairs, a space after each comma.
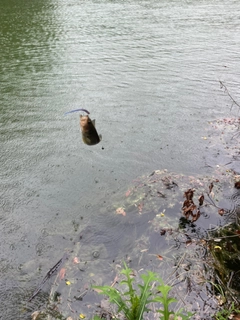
{"points": [[226, 313], [133, 303]]}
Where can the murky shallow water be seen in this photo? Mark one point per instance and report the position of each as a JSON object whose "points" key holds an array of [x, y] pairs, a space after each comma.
{"points": [[147, 71]]}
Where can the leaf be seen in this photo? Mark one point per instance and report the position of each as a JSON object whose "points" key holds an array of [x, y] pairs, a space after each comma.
{"points": [[68, 282], [146, 292], [201, 199], [196, 216], [221, 212], [62, 273], [162, 232], [121, 211], [76, 260], [128, 193], [237, 185], [210, 187], [191, 208], [189, 194], [159, 257]]}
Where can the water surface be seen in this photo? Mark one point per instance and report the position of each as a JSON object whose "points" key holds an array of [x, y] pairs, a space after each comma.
{"points": [[148, 71]]}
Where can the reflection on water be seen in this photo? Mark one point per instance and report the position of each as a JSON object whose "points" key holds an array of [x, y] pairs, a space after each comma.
{"points": [[148, 72]]}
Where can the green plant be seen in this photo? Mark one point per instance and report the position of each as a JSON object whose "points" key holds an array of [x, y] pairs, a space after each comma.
{"points": [[227, 313], [133, 303]]}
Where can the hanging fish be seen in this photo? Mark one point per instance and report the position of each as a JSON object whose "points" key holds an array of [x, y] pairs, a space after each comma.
{"points": [[89, 132]]}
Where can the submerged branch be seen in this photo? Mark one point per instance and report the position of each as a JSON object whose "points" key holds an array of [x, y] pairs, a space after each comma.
{"points": [[230, 96]]}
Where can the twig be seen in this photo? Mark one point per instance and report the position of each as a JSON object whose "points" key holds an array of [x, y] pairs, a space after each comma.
{"points": [[226, 90], [48, 275]]}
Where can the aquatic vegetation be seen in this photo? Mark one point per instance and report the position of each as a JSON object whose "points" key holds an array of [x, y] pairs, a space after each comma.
{"points": [[134, 303], [228, 313], [224, 257]]}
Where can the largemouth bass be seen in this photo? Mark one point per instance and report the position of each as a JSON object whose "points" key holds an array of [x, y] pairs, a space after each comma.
{"points": [[89, 132]]}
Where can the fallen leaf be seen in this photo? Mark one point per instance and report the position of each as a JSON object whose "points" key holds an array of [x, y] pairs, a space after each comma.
{"points": [[76, 260], [62, 273], [68, 283], [82, 316], [189, 194], [35, 314], [196, 216], [128, 193], [191, 208], [140, 207], [121, 211], [237, 185], [221, 212], [201, 199], [188, 242], [97, 290], [210, 187], [162, 232], [159, 257]]}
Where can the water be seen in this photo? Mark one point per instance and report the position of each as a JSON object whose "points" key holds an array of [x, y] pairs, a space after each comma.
{"points": [[148, 71]]}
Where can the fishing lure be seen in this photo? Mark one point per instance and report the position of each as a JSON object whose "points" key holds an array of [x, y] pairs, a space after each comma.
{"points": [[76, 110]]}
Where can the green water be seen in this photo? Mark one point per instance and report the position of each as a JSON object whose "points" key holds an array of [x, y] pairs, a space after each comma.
{"points": [[147, 71]]}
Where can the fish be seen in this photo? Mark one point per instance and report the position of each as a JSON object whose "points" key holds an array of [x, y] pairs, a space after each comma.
{"points": [[89, 132]]}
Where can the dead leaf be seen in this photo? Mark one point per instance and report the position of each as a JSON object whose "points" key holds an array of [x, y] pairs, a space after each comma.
{"points": [[188, 242], [76, 260], [221, 212], [210, 187], [237, 185], [159, 257], [128, 193], [201, 199], [196, 216], [140, 207], [62, 273], [162, 232], [189, 194], [35, 315], [191, 208], [121, 211], [97, 290]]}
